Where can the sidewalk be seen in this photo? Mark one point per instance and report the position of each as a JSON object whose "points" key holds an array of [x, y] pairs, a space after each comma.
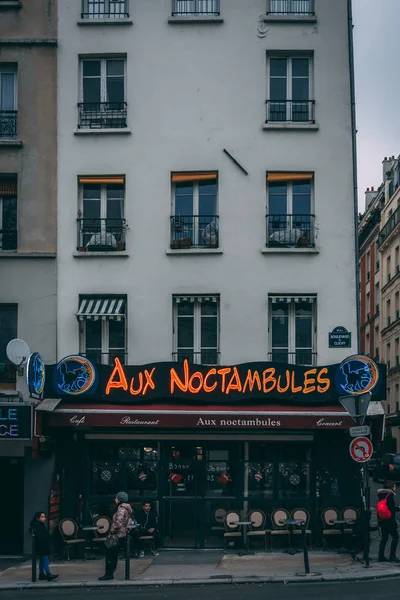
{"points": [[207, 567]]}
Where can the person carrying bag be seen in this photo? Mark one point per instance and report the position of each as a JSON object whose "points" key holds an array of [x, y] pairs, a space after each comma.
{"points": [[118, 533], [386, 512]]}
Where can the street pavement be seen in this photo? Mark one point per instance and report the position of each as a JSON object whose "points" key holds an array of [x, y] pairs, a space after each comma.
{"points": [[371, 590]]}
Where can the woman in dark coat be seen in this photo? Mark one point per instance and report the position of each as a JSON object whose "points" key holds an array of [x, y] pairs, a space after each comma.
{"points": [[42, 545]]}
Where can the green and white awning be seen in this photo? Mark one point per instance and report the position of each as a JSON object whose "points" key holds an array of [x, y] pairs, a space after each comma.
{"points": [[105, 309], [289, 299]]}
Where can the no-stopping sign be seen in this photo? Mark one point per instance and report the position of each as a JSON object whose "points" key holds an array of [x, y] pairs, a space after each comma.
{"points": [[361, 449]]}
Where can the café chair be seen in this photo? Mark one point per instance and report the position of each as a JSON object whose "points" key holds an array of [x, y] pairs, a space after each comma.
{"points": [[349, 514], [218, 523], [301, 514], [69, 534], [104, 526], [257, 528], [232, 530], [278, 528], [329, 516]]}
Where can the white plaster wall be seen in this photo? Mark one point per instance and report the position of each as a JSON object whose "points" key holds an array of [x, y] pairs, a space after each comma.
{"points": [[193, 90]]}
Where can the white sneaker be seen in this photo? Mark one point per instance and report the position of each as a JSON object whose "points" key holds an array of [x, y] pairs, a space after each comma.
{"points": [[155, 553], [141, 554]]}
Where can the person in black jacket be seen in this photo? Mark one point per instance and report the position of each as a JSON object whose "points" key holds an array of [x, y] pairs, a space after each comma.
{"points": [[388, 527], [148, 521], [42, 544]]}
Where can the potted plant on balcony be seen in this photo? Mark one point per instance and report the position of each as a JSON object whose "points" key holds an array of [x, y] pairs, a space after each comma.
{"points": [[184, 242]]}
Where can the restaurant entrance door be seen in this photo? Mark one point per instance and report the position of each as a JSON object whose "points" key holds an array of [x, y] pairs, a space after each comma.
{"points": [[202, 480]]}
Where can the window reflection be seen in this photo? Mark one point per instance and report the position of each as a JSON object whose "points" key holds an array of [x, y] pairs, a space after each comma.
{"points": [[105, 478], [294, 479], [261, 479]]}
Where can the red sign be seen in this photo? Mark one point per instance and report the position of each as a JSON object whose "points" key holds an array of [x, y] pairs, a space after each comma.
{"points": [[361, 449], [199, 421]]}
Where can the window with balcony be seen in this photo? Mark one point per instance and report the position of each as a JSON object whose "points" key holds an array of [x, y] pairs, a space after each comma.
{"points": [[290, 219], [195, 7], [105, 9], [8, 213], [290, 7], [103, 101], [101, 223], [194, 220], [8, 101], [196, 329], [290, 89], [102, 328], [292, 329], [8, 332]]}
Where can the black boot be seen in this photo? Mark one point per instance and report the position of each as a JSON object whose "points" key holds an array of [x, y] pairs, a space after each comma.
{"points": [[42, 577], [51, 577], [106, 578], [394, 559]]}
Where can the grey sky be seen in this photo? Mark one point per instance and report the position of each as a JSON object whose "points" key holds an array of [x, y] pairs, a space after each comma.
{"points": [[377, 54]]}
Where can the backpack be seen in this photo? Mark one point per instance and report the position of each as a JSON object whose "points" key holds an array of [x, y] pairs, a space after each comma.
{"points": [[382, 509]]}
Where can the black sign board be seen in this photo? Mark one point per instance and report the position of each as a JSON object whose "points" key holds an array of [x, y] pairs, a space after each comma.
{"points": [[340, 338], [15, 422], [77, 379]]}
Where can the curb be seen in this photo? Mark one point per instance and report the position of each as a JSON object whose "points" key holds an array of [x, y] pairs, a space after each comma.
{"points": [[206, 581]]}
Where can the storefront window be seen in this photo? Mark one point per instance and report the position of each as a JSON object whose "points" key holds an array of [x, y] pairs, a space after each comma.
{"points": [[142, 478], [105, 478], [219, 479], [261, 479], [182, 479], [294, 479]]}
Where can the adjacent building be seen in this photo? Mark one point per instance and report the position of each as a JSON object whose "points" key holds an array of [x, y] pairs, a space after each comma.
{"points": [[206, 217], [28, 163]]}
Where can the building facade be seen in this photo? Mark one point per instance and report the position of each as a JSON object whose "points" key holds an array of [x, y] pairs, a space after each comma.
{"points": [[28, 163], [205, 214]]}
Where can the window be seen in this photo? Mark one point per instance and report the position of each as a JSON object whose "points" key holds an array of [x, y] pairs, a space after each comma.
{"points": [[397, 351], [101, 223], [291, 7], [290, 89], [368, 303], [388, 312], [8, 213], [195, 7], [103, 103], [104, 9], [8, 101], [289, 219], [194, 221], [196, 329], [397, 259], [8, 332], [388, 355], [292, 330], [102, 329], [397, 396], [388, 268]]}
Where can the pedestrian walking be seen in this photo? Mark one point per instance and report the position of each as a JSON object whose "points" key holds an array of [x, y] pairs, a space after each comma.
{"points": [[386, 511], [118, 533], [42, 545]]}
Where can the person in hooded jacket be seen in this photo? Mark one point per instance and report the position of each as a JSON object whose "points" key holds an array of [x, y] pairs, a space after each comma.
{"points": [[119, 530], [388, 527], [42, 545]]}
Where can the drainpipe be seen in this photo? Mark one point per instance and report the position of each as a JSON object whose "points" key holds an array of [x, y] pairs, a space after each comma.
{"points": [[354, 153]]}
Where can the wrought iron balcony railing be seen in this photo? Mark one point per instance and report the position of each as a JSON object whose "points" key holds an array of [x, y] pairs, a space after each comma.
{"points": [[194, 231], [8, 124], [102, 115], [390, 226], [290, 231], [98, 357], [294, 111], [291, 7], [300, 357], [105, 9], [208, 356], [195, 7], [101, 235], [8, 239]]}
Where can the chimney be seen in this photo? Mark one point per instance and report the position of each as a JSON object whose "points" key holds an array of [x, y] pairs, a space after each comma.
{"points": [[369, 196], [387, 164]]}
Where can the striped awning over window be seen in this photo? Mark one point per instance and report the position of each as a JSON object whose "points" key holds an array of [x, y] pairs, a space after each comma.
{"points": [[105, 309], [179, 299], [296, 299]]}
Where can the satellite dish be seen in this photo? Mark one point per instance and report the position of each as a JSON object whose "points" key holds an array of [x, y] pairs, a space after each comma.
{"points": [[18, 352]]}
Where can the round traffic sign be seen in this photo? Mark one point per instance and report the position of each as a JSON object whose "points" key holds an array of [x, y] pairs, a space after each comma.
{"points": [[361, 449]]}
